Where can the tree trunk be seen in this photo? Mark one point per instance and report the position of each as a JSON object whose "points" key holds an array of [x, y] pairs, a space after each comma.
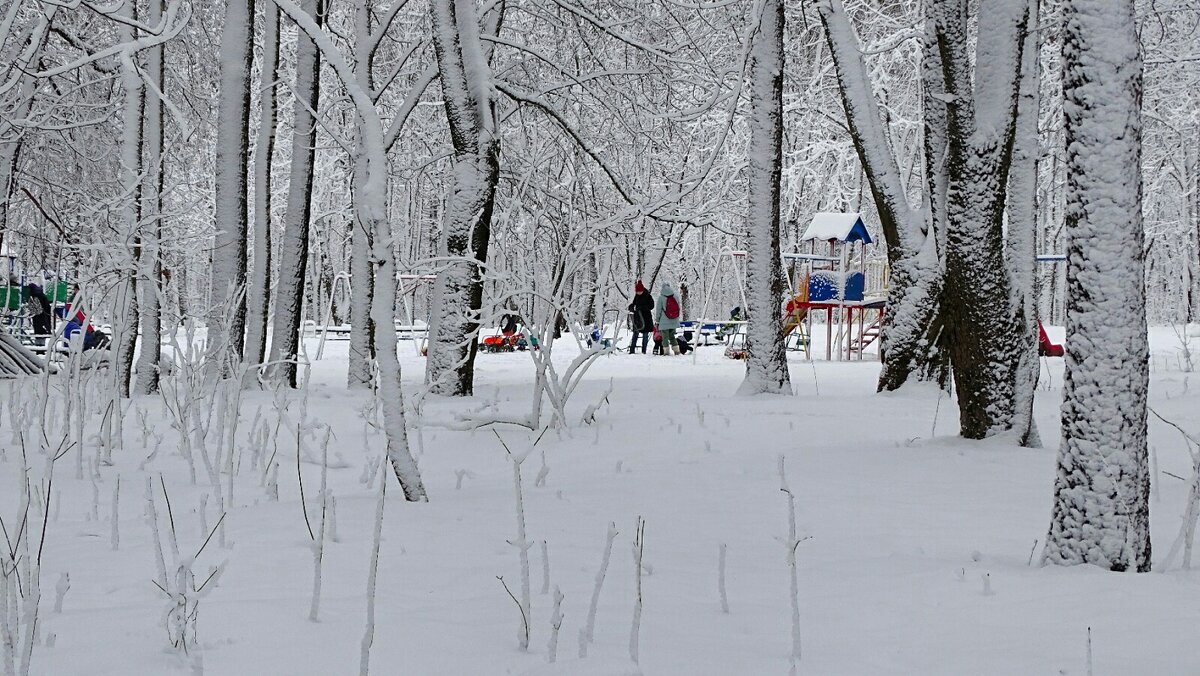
{"points": [[371, 208], [258, 289], [227, 307], [362, 281], [1193, 211], [151, 258], [984, 333], [766, 360], [458, 296], [125, 334], [293, 254], [1101, 494], [9, 153], [1021, 242], [912, 329]]}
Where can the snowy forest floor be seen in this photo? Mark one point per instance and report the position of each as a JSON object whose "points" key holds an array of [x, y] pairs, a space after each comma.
{"points": [[906, 523]]}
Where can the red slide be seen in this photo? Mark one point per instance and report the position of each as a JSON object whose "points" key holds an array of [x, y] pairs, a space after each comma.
{"points": [[1045, 347]]}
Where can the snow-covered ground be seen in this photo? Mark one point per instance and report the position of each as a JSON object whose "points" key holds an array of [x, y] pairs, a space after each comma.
{"points": [[917, 560]]}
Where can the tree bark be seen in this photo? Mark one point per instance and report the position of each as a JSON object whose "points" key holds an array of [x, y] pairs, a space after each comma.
{"points": [[1021, 242], [293, 254], [766, 360], [1101, 493], [258, 290], [151, 259], [984, 332], [227, 307], [125, 334], [362, 281], [9, 153], [466, 231], [912, 329]]}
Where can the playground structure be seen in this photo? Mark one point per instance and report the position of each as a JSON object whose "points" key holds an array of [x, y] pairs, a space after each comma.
{"points": [[836, 279], [841, 282], [13, 299]]}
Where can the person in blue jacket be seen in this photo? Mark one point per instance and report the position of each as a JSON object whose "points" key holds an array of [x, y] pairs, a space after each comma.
{"points": [[667, 317]]}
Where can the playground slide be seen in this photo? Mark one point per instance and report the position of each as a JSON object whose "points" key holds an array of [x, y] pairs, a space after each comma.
{"points": [[794, 313], [1045, 347]]}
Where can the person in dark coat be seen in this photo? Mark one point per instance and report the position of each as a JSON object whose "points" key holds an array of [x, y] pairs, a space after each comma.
{"points": [[641, 316], [41, 314]]}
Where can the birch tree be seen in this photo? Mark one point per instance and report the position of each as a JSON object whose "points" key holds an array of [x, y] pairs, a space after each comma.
{"points": [[766, 361], [1101, 492], [226, 319]]}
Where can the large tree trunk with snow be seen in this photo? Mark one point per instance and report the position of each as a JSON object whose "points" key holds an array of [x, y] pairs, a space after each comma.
{"points": [[293, 253], [466, 230], [984, 332], [766, 360], [1101, 494], [150, 258], [912, 328], [258, 287], [1022, 234], [125, 333], [362, 280], [227, 308]]}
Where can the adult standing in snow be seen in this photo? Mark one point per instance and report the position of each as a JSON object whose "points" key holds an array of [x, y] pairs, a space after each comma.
{"points": [[666, 318], [641, 316], [39, 309]]}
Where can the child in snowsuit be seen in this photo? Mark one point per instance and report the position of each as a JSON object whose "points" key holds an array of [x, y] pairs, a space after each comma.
{"points": [[76, 320]]}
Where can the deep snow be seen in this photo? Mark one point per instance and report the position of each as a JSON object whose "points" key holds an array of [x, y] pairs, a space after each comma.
{"points": [[906, 522]]}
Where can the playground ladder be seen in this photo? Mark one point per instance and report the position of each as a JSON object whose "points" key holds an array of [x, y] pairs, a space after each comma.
{"points": [[867, 336]]}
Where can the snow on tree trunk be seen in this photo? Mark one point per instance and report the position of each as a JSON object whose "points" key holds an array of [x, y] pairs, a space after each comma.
{"points": [[9, 152], [1101, 493], [150, 258], [1022, 234], [227, 309], [370, 208], [766, 360], [458, 293], [1193, 211], [984, 334], [293, 252], [125, 333], [258, 288], [362, 281], [912, 325]]}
